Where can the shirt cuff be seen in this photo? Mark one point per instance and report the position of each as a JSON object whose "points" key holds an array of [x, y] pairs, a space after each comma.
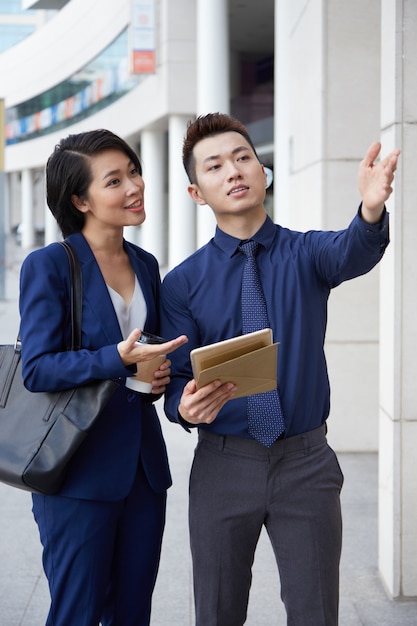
{"points": [[186, 425], [380, 229]]}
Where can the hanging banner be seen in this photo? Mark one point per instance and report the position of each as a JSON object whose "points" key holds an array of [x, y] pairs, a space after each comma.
{"points": [[143, 36]]}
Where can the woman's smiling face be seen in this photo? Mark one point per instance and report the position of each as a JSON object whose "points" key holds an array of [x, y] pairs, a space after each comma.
{"points": [[115, 197]]}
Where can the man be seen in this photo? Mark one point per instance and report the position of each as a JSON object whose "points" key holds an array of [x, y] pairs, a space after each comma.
{"points": [[290, 483]]}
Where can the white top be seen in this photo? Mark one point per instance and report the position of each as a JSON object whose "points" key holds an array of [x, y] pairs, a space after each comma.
{"points": [[132, 316], [129, 317]]}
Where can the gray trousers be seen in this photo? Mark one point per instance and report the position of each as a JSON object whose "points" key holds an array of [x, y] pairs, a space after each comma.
{"points": [[293, 489]]}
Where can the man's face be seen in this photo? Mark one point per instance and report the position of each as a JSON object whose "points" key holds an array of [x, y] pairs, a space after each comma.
{"points": [[229, 177]]}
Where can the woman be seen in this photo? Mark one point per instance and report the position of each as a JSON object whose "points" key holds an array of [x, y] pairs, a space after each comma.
{"points": [[102, 533]]}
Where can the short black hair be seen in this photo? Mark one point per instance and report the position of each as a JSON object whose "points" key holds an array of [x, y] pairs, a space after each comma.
{"points": [[208, 126], [68, 173]]}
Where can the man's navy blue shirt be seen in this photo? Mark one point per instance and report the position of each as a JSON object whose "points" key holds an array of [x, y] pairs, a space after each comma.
{"points": [[201, 298]]}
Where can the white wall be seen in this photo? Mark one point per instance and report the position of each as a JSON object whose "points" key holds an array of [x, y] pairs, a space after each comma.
{"points": [[398, 370], [334, 61]]}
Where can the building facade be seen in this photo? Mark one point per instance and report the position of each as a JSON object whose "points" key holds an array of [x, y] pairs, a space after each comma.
{"points": [[315, 81]]}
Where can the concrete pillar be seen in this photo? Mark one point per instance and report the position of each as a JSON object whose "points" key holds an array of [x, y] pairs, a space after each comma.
{"points": [[398, 336], [213, 81], [154, 230], [7, 213], [28, 234], [281, 113], [52, 232], [181, 208], [212, 40], [322, 132]]}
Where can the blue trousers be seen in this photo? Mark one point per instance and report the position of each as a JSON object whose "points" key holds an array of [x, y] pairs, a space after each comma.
{"points": [[101, 558], [237, 486]]}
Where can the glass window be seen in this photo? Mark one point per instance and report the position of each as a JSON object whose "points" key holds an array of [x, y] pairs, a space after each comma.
{"points": [[11, 34], [94, 87], [10, 6]]}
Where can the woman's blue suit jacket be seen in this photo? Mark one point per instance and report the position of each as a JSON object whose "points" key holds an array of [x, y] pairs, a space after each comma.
{"points": [[128, 430]]}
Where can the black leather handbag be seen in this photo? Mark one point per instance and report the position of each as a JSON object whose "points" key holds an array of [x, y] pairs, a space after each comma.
{"points": [[40, 431]]}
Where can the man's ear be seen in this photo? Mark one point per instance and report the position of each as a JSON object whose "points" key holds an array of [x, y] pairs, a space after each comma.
{"points": [[195, 194], [79, 204]]}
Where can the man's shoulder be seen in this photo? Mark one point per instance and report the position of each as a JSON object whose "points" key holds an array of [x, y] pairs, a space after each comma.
{"points": [[192, 262]]}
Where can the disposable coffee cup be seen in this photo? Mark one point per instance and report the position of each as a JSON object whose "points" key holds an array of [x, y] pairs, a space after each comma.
{"points": [[142, 380]]}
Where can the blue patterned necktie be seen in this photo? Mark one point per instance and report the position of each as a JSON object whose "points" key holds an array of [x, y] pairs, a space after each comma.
{"points": [[265, 418]]}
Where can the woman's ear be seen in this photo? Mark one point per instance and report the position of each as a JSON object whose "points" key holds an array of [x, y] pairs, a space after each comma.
{"points": [[195, 194], [79, 204]]}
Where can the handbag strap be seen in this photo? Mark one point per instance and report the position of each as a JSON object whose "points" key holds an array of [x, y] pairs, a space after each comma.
{"points": [[76, 295]]}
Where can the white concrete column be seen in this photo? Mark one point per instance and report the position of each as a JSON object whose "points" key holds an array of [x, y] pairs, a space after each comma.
{"points": [[212, 40], [213, 82], [398, 337], [282, 114], [52, 232], [7, 213], [28, 234], [154, 230], [181, 208], [322, 131], [14, 198]]}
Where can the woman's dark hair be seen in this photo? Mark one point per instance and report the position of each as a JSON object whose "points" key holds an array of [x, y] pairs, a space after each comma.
{"points": [[68, 173], [208, 126]]}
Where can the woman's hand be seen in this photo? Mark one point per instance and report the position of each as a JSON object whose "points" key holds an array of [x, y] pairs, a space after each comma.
{"points": [[162, 377], [133, 352]]}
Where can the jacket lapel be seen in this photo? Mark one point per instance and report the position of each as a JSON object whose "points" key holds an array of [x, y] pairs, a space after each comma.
{"points": [[95, 290], [146, 282]]}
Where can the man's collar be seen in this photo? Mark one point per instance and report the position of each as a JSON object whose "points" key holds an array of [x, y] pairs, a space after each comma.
{"points": [[229, 244]]}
